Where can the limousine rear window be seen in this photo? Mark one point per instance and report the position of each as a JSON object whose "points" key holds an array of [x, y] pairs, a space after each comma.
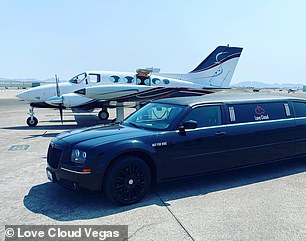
{"points": [[258, 112], [300, 109]]}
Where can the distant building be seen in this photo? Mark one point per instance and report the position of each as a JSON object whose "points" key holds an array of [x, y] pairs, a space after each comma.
{"points": [[35, 84]]}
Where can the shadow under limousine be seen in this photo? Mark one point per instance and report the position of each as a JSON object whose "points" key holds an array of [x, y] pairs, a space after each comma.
{"points": [[61, 204]]}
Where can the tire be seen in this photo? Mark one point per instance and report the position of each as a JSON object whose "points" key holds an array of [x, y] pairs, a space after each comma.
{"points": [[32, 122], [103, 115], [127, 180]]}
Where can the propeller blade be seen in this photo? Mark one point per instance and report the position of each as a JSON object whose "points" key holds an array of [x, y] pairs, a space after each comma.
{"points": [[58, 99], [58, 93], [61, 112]]}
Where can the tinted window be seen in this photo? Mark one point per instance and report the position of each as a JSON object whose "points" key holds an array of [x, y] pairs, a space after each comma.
{"points": [[300, 109], [206, 116], [155, 116], [258, 112]]}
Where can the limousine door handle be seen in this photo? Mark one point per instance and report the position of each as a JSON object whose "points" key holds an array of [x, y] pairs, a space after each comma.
{"points": [[220, 133]]}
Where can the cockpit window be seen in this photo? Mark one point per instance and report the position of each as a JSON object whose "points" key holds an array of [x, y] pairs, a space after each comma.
{"points": [[94, 78], [78, 79]]}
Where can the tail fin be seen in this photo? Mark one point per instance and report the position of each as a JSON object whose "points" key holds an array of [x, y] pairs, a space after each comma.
{"points": [[217, 69]]}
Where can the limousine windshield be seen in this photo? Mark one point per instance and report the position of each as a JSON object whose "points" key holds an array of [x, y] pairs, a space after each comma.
{"points": [[156, 116]]}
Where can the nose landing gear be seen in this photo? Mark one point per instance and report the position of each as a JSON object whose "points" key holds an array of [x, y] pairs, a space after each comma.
{"points": [[32, 120]]}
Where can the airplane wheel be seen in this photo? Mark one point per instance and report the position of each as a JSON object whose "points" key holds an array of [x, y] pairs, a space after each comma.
{"points": [[103, 115], [32, 122]]}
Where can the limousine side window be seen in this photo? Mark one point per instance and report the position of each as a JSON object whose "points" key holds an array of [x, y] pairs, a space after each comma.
{"points": [[300, 109], [206, 116], [253, 112]]}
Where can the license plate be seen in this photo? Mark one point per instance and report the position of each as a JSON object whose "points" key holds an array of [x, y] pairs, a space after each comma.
{"points": [[49, 175]]}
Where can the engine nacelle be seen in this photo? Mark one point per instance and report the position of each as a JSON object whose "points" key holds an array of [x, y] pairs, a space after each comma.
{"points": [[73, 100]]}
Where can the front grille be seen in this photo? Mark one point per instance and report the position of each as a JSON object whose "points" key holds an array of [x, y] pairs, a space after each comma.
{"points": [[53, 157]]}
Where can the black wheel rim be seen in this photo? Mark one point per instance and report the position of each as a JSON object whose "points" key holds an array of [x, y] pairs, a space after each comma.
{"points": [[103, 115], [130, 183]]}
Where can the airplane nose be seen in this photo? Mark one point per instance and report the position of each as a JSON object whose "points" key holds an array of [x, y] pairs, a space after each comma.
{"points": [[23, 95]]}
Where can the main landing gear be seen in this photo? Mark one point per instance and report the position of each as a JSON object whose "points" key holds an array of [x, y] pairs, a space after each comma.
{"points": [[32, 120], [103, 114]]}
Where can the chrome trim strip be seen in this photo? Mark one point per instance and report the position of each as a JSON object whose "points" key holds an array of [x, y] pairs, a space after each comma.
{"points": [[300, 118], [232, 113], [68, 170], [287, 109], [244, 123], [261, 122]]}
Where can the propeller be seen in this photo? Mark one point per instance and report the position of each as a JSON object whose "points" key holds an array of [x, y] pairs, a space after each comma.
{"points": [[58, 94]]}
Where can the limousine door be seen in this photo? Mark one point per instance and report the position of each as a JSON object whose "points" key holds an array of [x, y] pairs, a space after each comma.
{"points": [[300, 136], [259, 132], [202, 149]]}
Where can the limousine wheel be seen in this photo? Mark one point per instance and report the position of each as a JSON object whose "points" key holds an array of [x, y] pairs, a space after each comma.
{"points": [[127, 181]]}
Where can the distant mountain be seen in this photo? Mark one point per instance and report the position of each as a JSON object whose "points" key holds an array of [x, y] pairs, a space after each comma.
{"points": [[31, 80], [257, 84], [244, 84]]}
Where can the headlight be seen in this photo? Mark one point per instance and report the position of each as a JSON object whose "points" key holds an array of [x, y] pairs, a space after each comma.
{"points": [[78, 156]]}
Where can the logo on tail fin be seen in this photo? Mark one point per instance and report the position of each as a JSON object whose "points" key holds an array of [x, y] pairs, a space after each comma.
{"points": [[217, 60]]}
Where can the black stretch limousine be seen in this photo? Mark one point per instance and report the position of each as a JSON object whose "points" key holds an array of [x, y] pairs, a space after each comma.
{"points": [[179, 137]]}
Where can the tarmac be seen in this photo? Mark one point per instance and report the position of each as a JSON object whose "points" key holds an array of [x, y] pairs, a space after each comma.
{"points": [[259, 203]]}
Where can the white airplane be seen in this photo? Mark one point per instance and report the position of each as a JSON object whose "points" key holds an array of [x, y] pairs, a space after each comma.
{"points": [[99, 89]]}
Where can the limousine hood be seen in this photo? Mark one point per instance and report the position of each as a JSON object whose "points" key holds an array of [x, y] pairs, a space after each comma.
{"points": [[93, 136]]}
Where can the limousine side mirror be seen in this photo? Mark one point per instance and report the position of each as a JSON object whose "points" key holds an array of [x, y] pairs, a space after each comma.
{"points": [[188, 125]]}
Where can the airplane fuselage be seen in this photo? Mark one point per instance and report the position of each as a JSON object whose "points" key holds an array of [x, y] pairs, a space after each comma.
{"points": [[46, 94], [97, 89]]}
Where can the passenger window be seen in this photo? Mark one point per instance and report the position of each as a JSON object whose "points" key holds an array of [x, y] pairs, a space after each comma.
{"points": [[156, 81], [114, 79], [259, 112], [300, 109], [206, 116], [128, 79]]}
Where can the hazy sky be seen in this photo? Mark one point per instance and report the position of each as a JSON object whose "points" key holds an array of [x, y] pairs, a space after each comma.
{"points": [[41, 38]]}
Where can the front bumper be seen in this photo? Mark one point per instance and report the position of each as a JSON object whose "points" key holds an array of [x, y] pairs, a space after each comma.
{"points": [[74, 179]]}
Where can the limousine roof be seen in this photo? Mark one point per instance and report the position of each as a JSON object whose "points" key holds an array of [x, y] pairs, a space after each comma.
{"points": [[225, 98]]}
